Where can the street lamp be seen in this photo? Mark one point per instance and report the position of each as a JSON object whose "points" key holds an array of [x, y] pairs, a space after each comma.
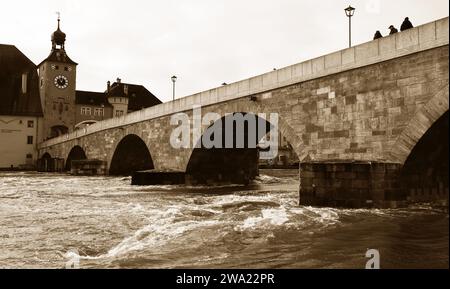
{"points": [[174, 79], [349, 11]]}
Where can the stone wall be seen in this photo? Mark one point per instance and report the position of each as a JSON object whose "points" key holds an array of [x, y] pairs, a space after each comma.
{"points": [[353, 185], [352, 117]]}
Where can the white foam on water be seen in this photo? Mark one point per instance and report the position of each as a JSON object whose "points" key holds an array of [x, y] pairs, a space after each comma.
{"points": [[265, 179], [268, 218], [162, 229]]}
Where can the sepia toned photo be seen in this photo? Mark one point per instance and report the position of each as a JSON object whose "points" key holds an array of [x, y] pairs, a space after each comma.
{"points": [[224, 134]]}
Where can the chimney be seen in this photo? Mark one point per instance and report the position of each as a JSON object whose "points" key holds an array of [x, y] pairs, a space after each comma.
{"points": [[108, 86], [119, 80], [125, 89]]}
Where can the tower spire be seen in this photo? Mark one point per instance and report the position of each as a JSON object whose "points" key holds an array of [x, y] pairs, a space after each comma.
{"points": [[59, 17], [58, 37]]}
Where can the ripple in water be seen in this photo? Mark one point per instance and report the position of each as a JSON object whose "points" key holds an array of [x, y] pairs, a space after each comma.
{"points": [[113, 224]]}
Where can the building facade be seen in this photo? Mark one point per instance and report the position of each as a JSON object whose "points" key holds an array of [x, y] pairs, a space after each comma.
{"points": [[21, 117]]}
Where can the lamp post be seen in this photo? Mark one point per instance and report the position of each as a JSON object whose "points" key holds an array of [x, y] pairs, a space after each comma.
{"points": [[174, 79], [349, 11]]}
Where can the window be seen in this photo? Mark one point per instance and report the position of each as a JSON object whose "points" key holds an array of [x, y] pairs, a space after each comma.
{"points": [[99, 112], [119, 112], [29, 156], [24, 82], [86, 111], [30, 139], [66, 68], [42, 82], [54, 106], [30, 123]]}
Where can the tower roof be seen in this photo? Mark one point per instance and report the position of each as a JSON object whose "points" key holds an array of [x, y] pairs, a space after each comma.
{"points": [[58, 37], [58, 54]]}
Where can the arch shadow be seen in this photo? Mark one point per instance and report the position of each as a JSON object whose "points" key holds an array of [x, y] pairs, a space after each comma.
{"points": [[76, 153], [46, 156], [425, 173], [228, 150], [131, 154]]}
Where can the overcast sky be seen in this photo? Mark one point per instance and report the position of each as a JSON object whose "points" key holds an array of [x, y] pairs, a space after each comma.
{"points": [[203, 42]]}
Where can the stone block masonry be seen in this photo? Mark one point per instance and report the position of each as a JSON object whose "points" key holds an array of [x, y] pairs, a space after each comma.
{"points": [[352, 185], [352, 117]]}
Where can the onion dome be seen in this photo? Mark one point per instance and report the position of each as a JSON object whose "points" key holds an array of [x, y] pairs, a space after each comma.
{"points": [[58, 37]]}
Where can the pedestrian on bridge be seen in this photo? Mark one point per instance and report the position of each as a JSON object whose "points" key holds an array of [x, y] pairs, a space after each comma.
{"points": [[393, 30], [406, 25], [377, 35]]}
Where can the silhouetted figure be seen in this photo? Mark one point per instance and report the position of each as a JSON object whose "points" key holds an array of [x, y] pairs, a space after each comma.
{"points": [[406, 25], [393, 30], [377, 35]]}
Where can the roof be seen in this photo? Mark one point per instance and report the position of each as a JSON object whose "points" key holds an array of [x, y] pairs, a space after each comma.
{"points": [[138, 96], [58, 55], [91, 98], [13, 63]]}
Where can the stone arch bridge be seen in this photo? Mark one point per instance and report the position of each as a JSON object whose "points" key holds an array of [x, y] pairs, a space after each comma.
{"points": [[368, 123]]}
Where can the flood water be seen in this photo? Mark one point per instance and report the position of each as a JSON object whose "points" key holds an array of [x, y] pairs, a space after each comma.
{"points": [[112, 224]]}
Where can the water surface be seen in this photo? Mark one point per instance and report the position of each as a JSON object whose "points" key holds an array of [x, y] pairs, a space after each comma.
{"points": [[112, 224]]}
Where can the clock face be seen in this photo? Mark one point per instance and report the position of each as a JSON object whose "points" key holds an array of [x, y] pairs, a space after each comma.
{"points": [[61, 82]]}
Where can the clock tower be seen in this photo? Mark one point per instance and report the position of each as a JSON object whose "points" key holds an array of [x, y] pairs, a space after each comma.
{"points": [[57, 83]]}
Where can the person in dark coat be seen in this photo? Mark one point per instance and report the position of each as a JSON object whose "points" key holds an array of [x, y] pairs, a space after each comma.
{"points": [[406, 25], [393, 30], [377, 35]]}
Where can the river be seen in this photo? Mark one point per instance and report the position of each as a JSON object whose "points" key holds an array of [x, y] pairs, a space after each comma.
{"points": [[108, 223]]}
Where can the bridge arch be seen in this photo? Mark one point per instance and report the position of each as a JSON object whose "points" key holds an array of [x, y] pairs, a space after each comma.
{"points": [[286, 129], [58, 130], [425, 173], [76, 153], [227, 151], [46, 156], [424, 119], [422, 148], [131, 154]]}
